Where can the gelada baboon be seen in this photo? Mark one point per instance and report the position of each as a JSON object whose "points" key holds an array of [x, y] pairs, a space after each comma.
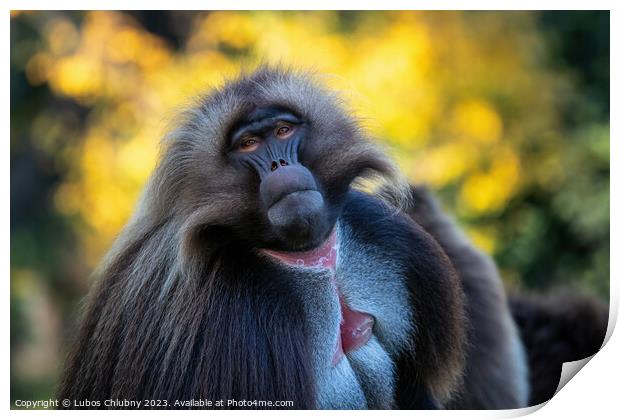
{"points": [[252, 271]]}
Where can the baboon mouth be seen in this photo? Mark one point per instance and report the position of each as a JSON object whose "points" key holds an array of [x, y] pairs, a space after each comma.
{"points": [[321, 256], [288, 193]]}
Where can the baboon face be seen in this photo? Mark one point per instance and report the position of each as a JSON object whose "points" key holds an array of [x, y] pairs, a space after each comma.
{"points": [[268, 141], [273, 155]]}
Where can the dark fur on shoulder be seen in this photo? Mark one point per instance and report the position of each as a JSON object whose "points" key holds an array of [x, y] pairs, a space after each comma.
{"points": [[430, 370], [492, 372], [554, 328]]}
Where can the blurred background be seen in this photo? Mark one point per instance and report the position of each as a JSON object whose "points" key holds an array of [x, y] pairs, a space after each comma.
{"points": [[504, 114]]}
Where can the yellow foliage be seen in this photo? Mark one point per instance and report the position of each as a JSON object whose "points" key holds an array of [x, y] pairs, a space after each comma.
{"points": [[444, 164], [124, 46], [37, 68], [62, 36], [483, 238], [76, 76], [236, 30], [477, 121], [489, 191]]}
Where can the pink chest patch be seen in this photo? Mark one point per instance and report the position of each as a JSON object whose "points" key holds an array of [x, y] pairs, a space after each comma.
{"points": [[355, 327]]}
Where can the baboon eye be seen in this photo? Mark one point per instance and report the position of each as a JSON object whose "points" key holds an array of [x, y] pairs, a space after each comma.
{"points": [[284, 131], [249, 144]]}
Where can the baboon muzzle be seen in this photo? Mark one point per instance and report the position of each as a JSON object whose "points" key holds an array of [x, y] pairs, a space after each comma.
{"points": [[294, 204]]}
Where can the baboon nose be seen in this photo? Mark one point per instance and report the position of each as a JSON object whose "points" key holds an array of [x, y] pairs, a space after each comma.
{"points": [[276, 164], [285, 180]]}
